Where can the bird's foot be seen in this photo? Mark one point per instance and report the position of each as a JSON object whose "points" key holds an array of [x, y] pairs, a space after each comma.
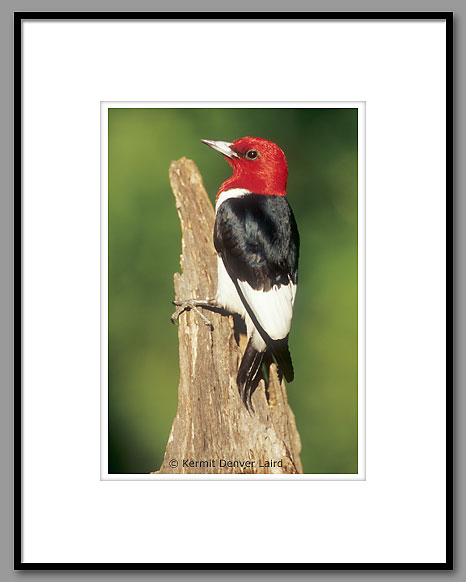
{"points": [[194, 304]]}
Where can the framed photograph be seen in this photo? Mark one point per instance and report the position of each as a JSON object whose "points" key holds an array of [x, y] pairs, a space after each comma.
{"points": [[337, 226], [233, 267]]}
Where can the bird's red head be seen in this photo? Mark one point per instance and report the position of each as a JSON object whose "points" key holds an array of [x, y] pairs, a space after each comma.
{"points": [[259, 165]]}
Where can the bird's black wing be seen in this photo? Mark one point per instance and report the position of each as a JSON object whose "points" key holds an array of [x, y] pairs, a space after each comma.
{"points": [[258, 238]]}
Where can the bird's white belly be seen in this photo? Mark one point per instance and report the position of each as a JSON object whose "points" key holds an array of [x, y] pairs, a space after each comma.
{"points": [[227, 295]]}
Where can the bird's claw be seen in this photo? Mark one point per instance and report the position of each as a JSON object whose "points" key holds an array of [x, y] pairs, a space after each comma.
{"points": [[186, 305]]}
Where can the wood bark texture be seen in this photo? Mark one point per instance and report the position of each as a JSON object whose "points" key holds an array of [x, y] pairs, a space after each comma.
{"points": [[212, 431]]}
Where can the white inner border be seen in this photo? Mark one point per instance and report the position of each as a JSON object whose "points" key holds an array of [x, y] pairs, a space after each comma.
{"points": [[360, 475], [397, 515]]}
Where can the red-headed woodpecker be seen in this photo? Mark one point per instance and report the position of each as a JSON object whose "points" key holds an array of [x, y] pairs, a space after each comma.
{"points": [[257, 241]]}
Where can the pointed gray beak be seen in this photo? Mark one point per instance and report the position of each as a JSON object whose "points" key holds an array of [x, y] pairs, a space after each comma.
{"points": [[224, 147]]}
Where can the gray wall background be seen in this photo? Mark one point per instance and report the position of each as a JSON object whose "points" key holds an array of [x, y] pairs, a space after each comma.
{"points": [[7, 8]]}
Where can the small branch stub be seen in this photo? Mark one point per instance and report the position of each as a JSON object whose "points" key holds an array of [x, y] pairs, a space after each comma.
{"points": [[212, 431]]}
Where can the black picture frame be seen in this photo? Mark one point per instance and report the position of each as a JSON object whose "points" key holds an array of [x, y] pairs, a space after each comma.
{"points": [[19, 17]]}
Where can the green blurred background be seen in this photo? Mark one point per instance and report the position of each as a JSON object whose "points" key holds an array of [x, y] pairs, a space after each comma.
{"points": [[144, 251]]}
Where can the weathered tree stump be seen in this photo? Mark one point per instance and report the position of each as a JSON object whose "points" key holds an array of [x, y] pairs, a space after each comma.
{"points": [[212, 431]]}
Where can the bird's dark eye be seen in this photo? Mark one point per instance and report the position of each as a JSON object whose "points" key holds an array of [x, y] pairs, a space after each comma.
{"points": [[252, 154]]}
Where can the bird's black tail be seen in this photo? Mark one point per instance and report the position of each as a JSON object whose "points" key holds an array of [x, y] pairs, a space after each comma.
{"points": [[282, 355], [249, 373]]}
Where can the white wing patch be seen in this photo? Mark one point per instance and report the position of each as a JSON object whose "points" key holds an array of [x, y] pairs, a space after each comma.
{"points": [[273, 309]]}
